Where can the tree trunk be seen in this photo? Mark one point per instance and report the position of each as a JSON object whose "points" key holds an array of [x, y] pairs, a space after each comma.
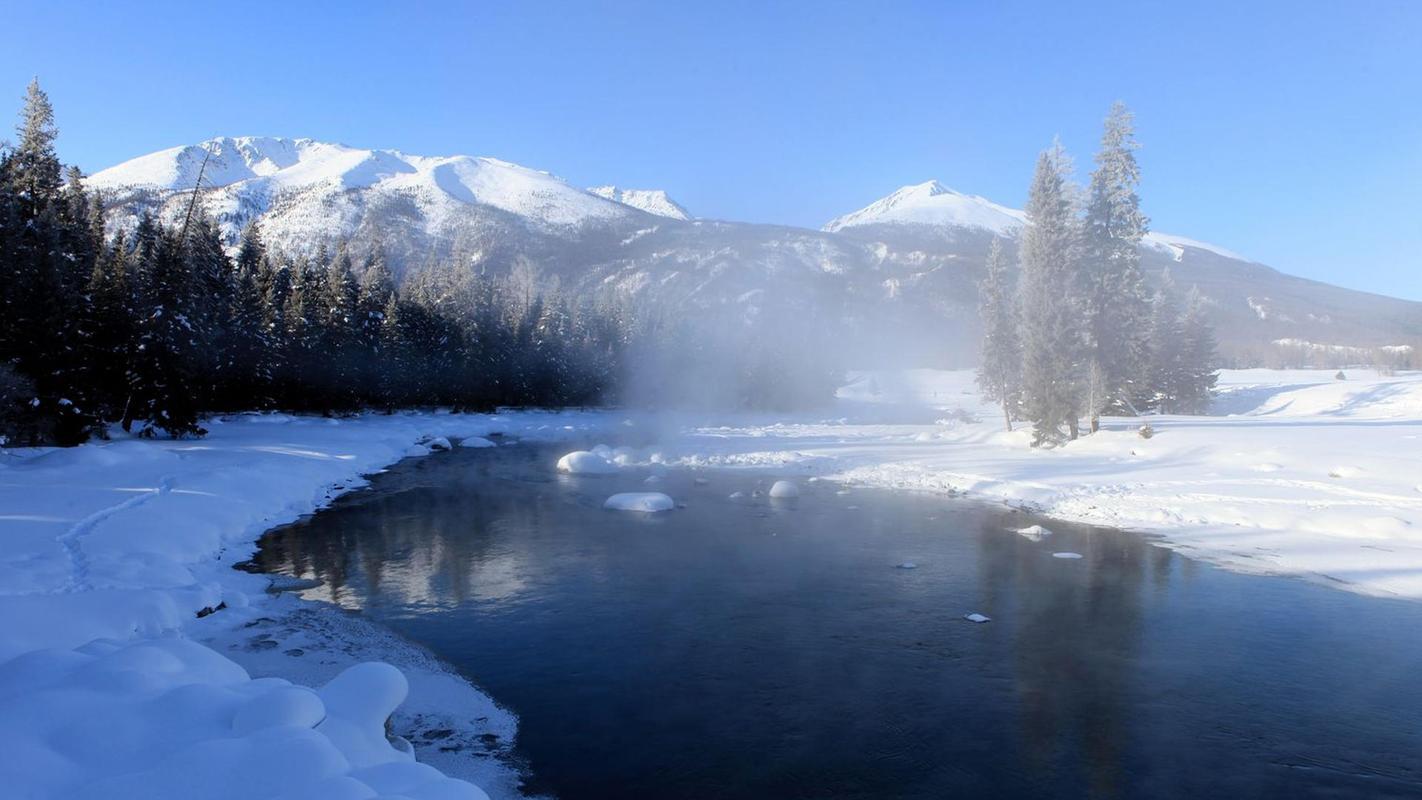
{"points": [[1007, 417], [1073, 428], [1095, 423]]}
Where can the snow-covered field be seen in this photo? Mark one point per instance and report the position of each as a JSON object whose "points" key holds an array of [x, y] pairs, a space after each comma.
{"points": [[112, 686], [1294, 473]]}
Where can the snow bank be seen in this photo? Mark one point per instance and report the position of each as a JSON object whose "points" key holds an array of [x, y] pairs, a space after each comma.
{"points": [[643, 502], [1248, 487], [110, 552]]}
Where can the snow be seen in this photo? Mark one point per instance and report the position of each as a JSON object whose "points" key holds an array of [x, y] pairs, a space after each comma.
{"points": [[978, 618], [640, 502], [585, 462], [1034, 532], [1066, 555], [933, 204], [248, 173], [652, 201], [112, 686], [784, 490], [1247, 487]]}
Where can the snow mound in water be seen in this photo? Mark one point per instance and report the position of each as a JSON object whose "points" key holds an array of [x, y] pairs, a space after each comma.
{"points": [[978, 618], [784, 490], [476, 441], [583, 462], [1034, 532], [1066, 555], [643, 502]]}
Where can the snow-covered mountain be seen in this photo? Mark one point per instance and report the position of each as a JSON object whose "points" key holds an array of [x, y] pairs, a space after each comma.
{"points": [[905, 268], [652, 201], [935, 205], [932, 203], [304, 190]]}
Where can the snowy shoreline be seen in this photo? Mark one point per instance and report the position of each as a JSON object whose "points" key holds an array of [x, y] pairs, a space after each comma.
{"points": [[112, 686], [115, 681]]}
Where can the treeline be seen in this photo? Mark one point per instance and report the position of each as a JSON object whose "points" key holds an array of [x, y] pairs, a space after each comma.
{"points": [[155, 328], [1070, 332]]}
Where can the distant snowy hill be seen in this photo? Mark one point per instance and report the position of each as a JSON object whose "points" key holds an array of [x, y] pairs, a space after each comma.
{"points": [[935, 205], [903, 270], [652, 201]]}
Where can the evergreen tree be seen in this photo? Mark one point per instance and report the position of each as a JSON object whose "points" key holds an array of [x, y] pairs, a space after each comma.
{"points": [[1198, 373], [1053, 336], [1167, 377], [1000, 373], [1118, 307]]}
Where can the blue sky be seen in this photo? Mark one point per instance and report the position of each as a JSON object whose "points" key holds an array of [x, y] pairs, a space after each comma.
{"points": [[1288, 131]]}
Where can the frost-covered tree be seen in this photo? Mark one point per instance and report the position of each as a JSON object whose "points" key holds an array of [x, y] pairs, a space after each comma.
{"points": [[1000, 367], [1118, 306], [1167, 359], [1198, 373], [1054, 338]]}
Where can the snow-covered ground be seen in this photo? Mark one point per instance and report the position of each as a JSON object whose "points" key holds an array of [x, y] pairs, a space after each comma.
{"points": [[1294, 473], [108, 553], [112, 686]]}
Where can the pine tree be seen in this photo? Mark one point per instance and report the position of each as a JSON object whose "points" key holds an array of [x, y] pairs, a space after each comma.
{"points": [[1118, 307], [1053, 335], [161, 377], [1198, 373], [1166, 343], [1000, 371]]}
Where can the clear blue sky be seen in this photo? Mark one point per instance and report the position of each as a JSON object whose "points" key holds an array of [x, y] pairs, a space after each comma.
{"points": [[1288, 131]]}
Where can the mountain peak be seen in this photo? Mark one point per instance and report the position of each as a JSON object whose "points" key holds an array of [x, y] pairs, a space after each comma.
{"points": [[652, 201], [931, 203]]}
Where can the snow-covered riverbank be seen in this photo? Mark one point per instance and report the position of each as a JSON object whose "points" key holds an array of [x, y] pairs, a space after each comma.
{"points": [[1294, 473], [108, 552]]}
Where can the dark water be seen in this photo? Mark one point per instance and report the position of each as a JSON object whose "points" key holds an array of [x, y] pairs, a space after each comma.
{"points": [[760, 649]]}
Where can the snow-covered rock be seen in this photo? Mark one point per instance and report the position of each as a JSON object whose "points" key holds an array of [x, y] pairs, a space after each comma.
{"points": [[1066, 555], [1034, 532], [978, 618], [784, 490], [641, 502], [585, 462]]}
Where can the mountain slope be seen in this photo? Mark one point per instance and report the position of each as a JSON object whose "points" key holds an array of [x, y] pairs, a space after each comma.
{"points": [[903, 271], [652, 201]]}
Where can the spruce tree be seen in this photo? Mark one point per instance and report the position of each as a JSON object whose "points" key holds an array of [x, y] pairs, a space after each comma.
{"points": [[1053, 335], [1166, 348], [1198, 373], [1000, 370], [1118, 308]]}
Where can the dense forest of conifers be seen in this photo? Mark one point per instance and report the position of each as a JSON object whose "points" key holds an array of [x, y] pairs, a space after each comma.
{"points": [[154, 328], [159, 326]]}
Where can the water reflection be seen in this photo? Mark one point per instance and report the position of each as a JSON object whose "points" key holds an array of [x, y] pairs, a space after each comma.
{"points": [[744, 649]]}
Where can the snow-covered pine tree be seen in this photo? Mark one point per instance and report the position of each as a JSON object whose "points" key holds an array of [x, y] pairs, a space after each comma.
{"points": [[1000, 368], [340, 331], [1053, 330], [395, 355], [1118, 304], [161, 374], [46, 255], [1198, 373], [1166, 368]]}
